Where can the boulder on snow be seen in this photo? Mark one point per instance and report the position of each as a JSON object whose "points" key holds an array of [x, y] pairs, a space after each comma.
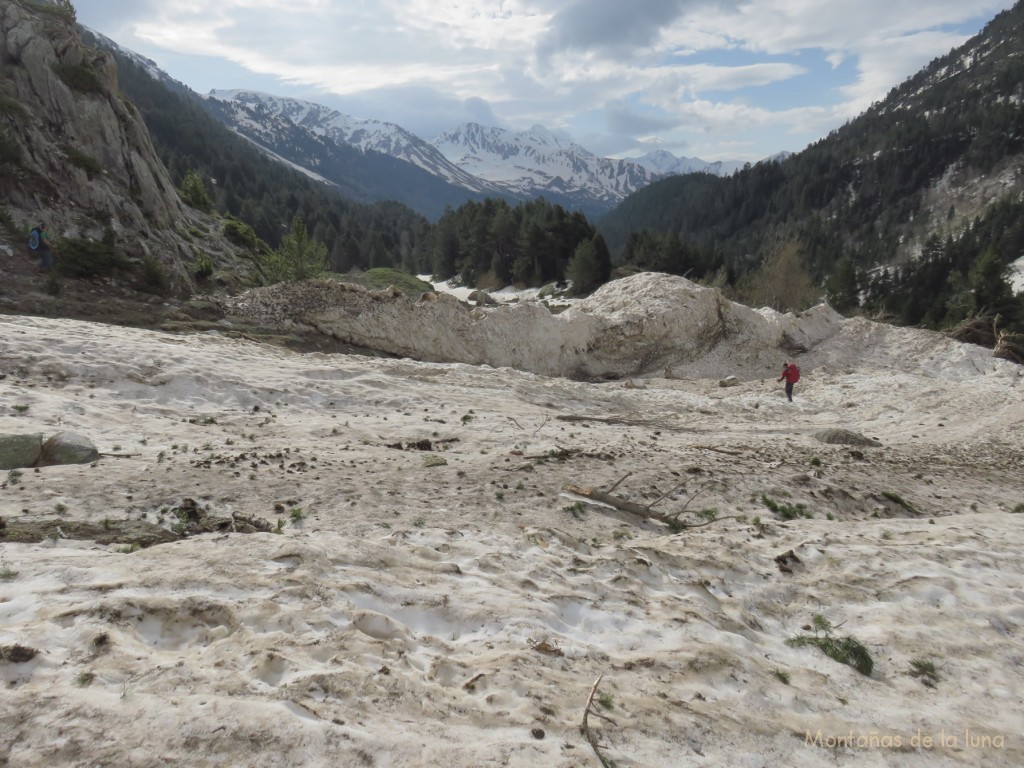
{"points": [[68, 448], [846, 437], [31, 450], [18, 451], [481, 297]]}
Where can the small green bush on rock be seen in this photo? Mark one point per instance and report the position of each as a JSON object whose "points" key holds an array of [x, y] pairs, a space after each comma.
{"points": [[81, 258], [79, 77]]}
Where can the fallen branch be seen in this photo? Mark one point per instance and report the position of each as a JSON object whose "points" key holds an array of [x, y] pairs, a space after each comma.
{"points": [[720, 450], [589, 710], [630, 422], [687, 526], [538, 429], [470, 684], [642, 510], [667, 494], [563, 453], [698, 493], [555, 453], [619, 482]]}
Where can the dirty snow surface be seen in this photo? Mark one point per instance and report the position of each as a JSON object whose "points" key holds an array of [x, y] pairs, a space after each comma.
{"points": [[431, 594]]}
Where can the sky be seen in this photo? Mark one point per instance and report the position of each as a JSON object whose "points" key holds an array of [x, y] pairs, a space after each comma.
{"points": [[726, 80]]}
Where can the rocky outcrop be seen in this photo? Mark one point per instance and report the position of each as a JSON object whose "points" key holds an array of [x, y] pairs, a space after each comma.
{"points": [[74, 153]]}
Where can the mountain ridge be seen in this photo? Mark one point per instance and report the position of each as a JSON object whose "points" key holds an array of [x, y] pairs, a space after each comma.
{"points": [[476, 159]]}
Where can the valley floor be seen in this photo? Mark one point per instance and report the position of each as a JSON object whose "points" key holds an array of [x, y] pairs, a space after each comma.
{"points": [[455, 606]]}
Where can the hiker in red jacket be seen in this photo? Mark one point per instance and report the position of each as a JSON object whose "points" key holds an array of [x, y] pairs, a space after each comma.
{"points": [[792, 375]]}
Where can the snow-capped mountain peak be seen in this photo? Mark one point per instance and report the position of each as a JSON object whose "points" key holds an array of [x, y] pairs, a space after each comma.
{"points": [[365, 135], [662, 162], [537, 161]]}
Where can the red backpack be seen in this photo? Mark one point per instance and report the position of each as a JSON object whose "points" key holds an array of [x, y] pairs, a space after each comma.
{"points": [[795, 372]]}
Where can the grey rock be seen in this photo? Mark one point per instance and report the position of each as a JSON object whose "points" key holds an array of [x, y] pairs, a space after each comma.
{"points": [[68, 448], [18, 451], [729, 381], [845, 437]]}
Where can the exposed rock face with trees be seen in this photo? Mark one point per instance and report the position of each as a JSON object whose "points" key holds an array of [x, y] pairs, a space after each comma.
{"points": [[75, 154]]}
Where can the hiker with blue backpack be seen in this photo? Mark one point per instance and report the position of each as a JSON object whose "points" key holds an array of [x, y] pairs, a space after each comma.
{"points": [[39, 243]]}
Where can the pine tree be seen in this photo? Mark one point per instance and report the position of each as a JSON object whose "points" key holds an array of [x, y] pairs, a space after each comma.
{"points": [[584, 268], [841, 286], [298, 258], [193, 191]]}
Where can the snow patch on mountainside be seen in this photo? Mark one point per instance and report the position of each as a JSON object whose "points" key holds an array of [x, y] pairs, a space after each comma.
{"points": [[1017, 275]]}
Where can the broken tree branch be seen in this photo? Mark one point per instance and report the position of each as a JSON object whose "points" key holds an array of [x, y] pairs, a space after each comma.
{"points": [[698, 493], [619, 482], [589, 710], [666, 495], [720, 450], [642, 510]]}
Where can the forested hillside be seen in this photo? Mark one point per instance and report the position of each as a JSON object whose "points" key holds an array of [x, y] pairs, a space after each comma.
{"points": [[264, 193], [925, 182]]}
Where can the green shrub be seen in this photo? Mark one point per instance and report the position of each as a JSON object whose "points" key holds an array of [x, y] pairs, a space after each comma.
{"points": [[786, 511], [78, 158], [240, 233], [846, 650], [88, 258], [79, 77], [379, 278], [53, 285], [7, 223], [895, 498], [193, 191], [12, 107], [203, 266], [151, 277], [62, 9], [10, 150], [925, 670], [298, 258]]}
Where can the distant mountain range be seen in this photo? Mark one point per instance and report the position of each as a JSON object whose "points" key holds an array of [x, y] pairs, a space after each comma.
{"points": [[481, 160], [265, 119], [469, 162]]}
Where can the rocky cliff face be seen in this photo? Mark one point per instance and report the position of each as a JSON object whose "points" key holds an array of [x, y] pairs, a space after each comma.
{"points": [[75, 154]]}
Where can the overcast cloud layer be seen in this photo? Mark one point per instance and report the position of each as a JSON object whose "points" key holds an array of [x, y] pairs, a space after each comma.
{"points": [[715, 80]]}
